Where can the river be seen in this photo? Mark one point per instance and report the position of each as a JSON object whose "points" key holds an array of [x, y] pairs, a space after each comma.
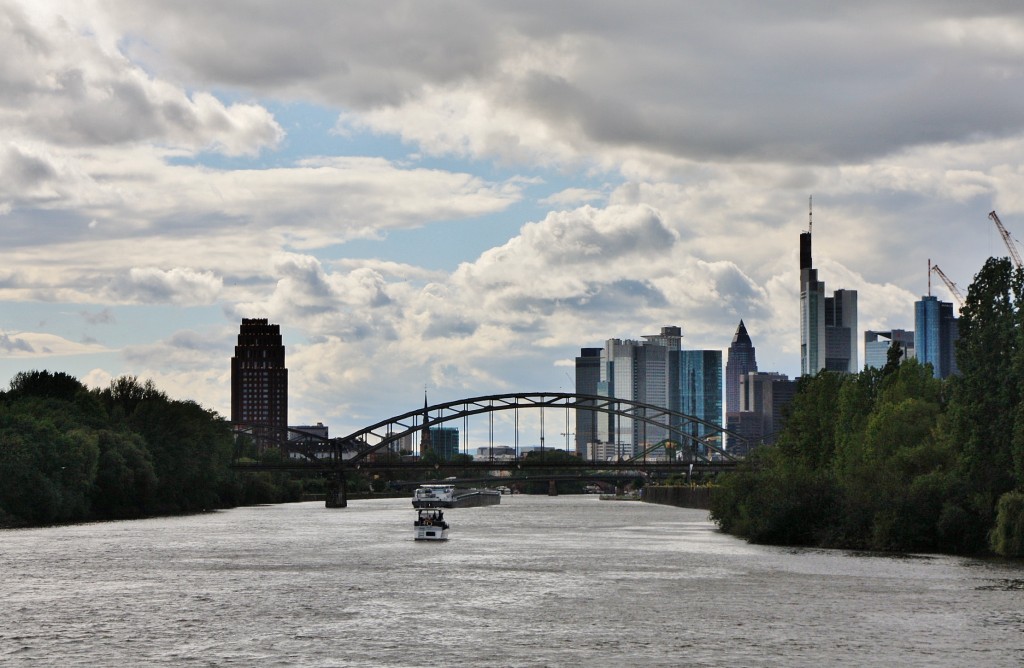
{"points": [[536, 581]]}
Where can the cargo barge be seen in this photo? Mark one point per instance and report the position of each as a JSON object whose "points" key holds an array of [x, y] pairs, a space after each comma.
{"points": [[448, 496]]}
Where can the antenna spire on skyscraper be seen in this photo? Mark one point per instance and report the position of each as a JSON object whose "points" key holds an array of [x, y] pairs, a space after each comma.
{"points": [[810, 212]]}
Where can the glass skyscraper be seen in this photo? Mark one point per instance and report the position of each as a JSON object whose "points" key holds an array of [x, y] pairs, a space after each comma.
{"points": [[935, 333], [700, 391], [828, 325]]}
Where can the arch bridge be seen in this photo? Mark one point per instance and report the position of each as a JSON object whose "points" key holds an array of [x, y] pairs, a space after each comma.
{"points": [[369, 449]]}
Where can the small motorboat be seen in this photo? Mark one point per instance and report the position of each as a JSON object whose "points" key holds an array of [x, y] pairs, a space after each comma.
{"points": [[430, 524]]}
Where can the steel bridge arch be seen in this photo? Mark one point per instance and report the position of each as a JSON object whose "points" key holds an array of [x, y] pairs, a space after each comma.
{"points": [[392, 429]]}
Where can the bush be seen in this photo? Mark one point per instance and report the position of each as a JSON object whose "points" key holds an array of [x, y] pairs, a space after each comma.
{"points": [[1007, 537]]}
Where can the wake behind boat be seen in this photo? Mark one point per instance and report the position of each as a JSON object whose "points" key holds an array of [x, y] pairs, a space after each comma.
{"points": [[430, 524]]}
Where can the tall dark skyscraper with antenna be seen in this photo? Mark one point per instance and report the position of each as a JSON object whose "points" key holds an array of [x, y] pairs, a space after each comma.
{"points": [[828, 325]]}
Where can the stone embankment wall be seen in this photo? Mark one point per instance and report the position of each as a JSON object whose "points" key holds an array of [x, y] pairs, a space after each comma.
{"points": [[684, 497]]}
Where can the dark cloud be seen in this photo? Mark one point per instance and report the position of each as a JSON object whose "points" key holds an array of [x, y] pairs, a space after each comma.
{"points": [[790, 81], [10, 345]]}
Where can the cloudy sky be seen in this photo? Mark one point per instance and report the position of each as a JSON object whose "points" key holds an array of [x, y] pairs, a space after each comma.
{"points": [[459, 195]]}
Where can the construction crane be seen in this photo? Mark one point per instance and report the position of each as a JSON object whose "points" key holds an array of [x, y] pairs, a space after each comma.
{"points": [[934, 268], [1007, 239]]}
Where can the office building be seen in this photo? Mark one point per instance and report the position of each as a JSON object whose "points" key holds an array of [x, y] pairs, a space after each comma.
{"points": [[444, 442], [763, 399], [588, 375], [637, 372], [828, 325], [877, 344], [700, 392], [259, 382], [935, 333], [740, 360], [841, 332]]}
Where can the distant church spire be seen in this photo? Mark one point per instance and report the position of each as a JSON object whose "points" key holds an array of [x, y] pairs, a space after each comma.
{"points": [[425, 445]]}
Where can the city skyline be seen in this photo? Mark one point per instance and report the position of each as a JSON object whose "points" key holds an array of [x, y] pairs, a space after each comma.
{"points": [[462, 196]]}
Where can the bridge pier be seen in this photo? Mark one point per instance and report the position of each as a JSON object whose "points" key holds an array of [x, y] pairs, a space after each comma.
{"points": [[552, 488], [337, 491]]}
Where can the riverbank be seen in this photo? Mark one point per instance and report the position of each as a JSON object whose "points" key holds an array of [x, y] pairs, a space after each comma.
{"points": [[680, 496]]}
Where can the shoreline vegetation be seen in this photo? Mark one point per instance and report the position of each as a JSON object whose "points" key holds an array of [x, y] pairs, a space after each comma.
{"points": [[893, 459], [69, 454]]}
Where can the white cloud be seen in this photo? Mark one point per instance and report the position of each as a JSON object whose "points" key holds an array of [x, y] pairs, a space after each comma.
{"points": [[151, 285], [41, 344], [60, 82], [677, 145]]}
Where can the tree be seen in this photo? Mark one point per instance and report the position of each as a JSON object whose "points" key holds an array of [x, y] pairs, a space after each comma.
{"points": [[985, 411], [45, 385]]}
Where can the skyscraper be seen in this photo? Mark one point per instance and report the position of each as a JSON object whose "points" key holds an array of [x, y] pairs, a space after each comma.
{"points": [[259, 381], [841, 331], [588, 375], [828, 325], [812, 312], [700, 391], [633, 371], [935, 333], [740, 360]]}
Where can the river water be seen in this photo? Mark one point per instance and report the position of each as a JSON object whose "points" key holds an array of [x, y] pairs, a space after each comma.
{"points": [[536, 581]]}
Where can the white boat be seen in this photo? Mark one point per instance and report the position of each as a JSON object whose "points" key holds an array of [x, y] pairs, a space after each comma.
{"points": [[430, 524], [434, 496]]}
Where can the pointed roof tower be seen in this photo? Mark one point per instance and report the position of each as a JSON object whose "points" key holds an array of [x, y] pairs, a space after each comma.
{"points": [[741, 337], [740, 360], [425, 445]]}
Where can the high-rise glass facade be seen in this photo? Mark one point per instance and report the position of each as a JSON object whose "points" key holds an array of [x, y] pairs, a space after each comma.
{"points": [[634, 371], [935, 333], [700, 391], [444, 442], [828, 325], [812, 312]]}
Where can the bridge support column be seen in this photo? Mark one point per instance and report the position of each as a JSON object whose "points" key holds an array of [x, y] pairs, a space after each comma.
{"points": [[337, 491], [552, 488]]}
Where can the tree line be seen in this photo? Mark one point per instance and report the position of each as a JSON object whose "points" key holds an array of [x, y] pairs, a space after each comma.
{"points": [[69, 454], [895, 459]]}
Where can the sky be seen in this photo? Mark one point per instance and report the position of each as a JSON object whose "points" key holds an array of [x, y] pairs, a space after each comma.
{"points": [[456, 196]]}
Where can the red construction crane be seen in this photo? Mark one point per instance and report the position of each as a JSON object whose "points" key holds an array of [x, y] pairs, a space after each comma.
{"points": [[1007, 239], [949, 284]]}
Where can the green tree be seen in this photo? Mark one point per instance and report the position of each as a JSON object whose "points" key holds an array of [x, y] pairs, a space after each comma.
{"points": [[126, 483], [45, 385], [985, 409], [1007, 537], [809, 436]]}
